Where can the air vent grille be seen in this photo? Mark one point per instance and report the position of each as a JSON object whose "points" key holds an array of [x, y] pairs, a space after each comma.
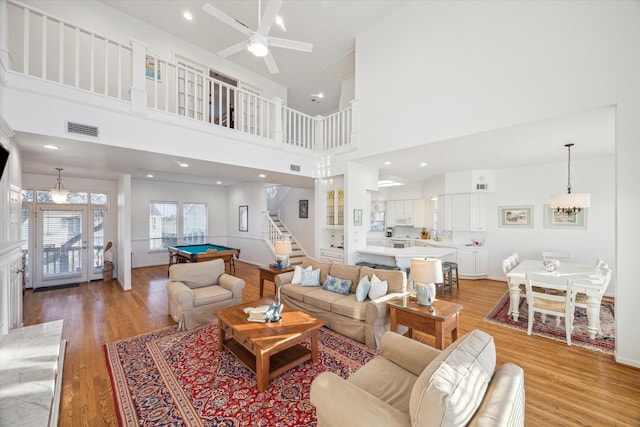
{"points": [[80, 129], [483, 187], [295, 168]]}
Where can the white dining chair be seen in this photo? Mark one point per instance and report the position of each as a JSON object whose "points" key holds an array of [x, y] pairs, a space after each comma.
{"points": [[508, 265], [542, 298], [602, 279], [559, 255]]}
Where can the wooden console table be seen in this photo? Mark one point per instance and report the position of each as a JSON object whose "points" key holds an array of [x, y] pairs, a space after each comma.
{"points": [[439, 322]]}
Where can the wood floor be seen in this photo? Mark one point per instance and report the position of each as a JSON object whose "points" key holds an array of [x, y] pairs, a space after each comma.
{"points": [[565, 386]]}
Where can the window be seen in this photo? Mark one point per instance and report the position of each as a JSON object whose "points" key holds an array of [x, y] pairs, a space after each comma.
{"points": [[163, 225], [377, 220], [194, 228]]}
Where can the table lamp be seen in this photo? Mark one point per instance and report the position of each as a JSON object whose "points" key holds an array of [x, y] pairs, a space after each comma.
{"points": [[425, 273], [282, 249]]}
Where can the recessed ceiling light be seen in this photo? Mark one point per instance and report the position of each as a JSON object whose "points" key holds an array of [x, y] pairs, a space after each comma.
{"points": [[218, 182], [262, 175], [149, 175], [51, 147], [183, 165], [423, 164], [187, 15], [387, 162]]}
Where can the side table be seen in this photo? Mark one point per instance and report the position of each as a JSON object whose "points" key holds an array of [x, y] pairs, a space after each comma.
{"points": [[439, 322], [269, 273]]}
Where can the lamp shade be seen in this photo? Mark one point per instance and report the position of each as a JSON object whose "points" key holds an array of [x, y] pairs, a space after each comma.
{"points": [[283, 247], [426, 270], [59, 195], [570, 200], [258, 45]]}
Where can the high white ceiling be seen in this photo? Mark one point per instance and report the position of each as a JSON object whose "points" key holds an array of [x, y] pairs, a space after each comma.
{"points": [[331, 26]]}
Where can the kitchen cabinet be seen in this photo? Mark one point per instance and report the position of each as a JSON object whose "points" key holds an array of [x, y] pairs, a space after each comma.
{"points": [[462, 212], [334, 255], [419, 216], [473, 262], [335, 208], [406, 213]]}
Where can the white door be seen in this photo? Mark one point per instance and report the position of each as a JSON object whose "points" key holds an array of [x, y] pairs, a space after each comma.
{"points": [[61, 252]]}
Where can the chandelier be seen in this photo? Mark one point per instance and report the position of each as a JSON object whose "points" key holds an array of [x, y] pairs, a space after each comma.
{"points": [[59, 194], [570, 202]]}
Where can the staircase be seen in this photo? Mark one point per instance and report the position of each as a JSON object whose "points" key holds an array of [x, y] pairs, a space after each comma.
{"points": [[280, 232]]}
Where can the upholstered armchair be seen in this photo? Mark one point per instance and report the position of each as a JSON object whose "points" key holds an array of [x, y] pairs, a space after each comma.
{"points": [[412, 384], [198, 289]]}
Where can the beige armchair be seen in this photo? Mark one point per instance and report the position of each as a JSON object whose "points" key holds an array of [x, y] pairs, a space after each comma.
{"points": [[198, 289], [412, 384]]}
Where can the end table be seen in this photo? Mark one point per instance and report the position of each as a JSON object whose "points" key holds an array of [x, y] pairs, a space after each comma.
{"points": [[269, 273]]}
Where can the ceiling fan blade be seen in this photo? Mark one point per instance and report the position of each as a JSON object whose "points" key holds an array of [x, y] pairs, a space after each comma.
{"points": [[290, 44], [217, 13], [271, 64], [269, 16], [231, 50]]}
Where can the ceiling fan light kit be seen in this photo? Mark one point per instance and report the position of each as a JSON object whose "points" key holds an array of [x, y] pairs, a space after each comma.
{"points": [[259, 41], [570, 202]]}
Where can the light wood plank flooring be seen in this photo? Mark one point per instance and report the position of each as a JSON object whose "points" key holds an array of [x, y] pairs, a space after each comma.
{"points": [[565, 386]]}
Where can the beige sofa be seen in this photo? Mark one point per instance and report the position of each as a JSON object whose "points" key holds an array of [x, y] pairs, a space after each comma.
{"points": [[198, 289], [364, 321], [412, 384]]}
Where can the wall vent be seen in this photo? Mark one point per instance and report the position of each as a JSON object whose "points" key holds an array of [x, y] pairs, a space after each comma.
{"points": [[80, 129], [482, 187], [295, 168]]}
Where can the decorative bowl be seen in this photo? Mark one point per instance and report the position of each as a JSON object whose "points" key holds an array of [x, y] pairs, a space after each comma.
{"points": [[551, 264]]}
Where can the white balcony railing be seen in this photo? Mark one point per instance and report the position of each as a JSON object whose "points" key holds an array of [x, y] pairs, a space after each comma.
{"points": [[45, 47]]}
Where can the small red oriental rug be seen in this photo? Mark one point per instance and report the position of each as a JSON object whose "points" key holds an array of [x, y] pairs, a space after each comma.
{"points": [[605, 343], [176, 378]]}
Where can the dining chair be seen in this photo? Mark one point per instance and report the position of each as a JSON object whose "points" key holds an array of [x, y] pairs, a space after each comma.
{"points": [[602, 279], [542, 298], [559, 255], [516, 258], [507, 266]]}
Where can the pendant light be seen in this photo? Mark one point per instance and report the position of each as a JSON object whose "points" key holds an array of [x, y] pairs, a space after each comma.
{"points": [[59, 194], [570, 202]]}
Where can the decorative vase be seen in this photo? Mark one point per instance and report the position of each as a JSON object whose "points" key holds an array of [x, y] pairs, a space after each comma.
{"points": [[426, 293]]}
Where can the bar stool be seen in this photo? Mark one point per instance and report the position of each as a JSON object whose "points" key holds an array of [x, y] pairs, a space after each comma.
{"points": [[453, 266], [446, 274]]}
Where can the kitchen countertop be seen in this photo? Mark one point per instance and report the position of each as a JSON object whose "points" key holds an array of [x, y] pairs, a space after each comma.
{"points": [[429, 242], [412, 251]]}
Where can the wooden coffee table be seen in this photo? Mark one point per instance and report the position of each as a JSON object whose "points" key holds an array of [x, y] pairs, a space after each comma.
{"points": [[271, 348], [439, 322]]}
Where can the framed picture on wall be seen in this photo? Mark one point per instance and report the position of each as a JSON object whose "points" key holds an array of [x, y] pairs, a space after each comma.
{"points": [[303, 209], [357, 217], [152, 69], [555, 219], [243, 218], [516, 216]]}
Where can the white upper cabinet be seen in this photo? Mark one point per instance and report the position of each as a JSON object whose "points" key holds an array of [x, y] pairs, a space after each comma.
{"points": [[462, 212]]}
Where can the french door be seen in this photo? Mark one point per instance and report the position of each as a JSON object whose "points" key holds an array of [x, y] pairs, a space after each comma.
{"points": [[61, 247]]}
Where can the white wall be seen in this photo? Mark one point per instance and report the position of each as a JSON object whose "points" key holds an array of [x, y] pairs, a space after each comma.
{"points": [[145, 191], [302, 228], [358, 182], [125, 253], [11, 178], [474, 66]]}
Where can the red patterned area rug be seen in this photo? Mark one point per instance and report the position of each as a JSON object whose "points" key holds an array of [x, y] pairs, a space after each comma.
{"points": [[580, 337], [176, 378]]}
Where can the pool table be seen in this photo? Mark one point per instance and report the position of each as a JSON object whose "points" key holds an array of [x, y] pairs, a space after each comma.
{"points": [[203, 252]]}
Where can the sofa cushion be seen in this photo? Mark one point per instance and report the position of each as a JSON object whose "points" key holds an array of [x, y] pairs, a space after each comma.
{"points": [[323, 266], [297, 274], [197, 274], [337, 285], [296, 292], [210, 295], [451, 388], [321, 299], [349, 307], [310, 278], [378, 287], [396, 279], [362, 290], [348, 272]]}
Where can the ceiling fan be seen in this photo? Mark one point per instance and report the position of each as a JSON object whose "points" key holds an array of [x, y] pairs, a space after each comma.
{"points": [[259, 40]]}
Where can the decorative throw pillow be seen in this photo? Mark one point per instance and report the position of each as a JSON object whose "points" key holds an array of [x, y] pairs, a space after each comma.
{"points": [[363, 289], [335, 284], [310, 278], [378, 288], [297, 274]]}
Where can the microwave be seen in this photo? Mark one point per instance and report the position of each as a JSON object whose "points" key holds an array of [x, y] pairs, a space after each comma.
{"points": [[404, 220]]}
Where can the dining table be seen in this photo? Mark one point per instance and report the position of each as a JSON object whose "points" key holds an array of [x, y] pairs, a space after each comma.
{"points": [[586, 282]]}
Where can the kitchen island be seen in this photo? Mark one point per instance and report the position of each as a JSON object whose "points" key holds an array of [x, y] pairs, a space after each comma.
{"points": [[401, 257]]}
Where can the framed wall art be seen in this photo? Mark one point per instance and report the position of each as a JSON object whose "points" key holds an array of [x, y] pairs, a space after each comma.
{"points": [[357, 217], [303, 209], [555, 219], [151, 71], [243, 218], [516, 216]]}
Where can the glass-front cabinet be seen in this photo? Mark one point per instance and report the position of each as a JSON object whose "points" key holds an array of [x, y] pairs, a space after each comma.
{"points": [[335, 208]]}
